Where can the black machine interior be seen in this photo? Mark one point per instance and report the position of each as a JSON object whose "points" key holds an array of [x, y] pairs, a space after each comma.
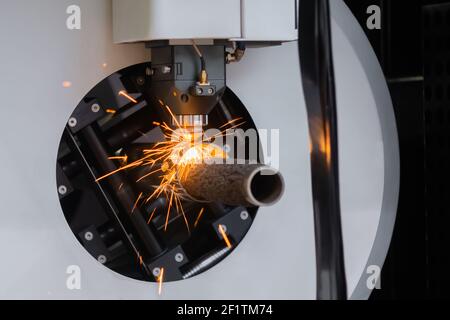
{"points": [[118, 117]]}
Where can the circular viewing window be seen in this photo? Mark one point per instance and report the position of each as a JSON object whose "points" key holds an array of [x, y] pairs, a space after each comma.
{"points": [[117, 193]]}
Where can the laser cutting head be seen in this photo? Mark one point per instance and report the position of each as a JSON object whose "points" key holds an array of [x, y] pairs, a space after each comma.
{"points": [[179, 80]]}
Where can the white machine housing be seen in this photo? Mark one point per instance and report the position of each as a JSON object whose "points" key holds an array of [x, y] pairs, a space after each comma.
{"points": [[249, 20]]}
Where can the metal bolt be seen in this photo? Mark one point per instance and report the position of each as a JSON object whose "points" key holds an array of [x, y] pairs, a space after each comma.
{"points": [[244, 215], [179, 257], [140, 81], [62, 190], [88, 236], [199, 91], [156, 272], [210, 91], [101, 259], [95, 108], [72, 122], [184, 98]]}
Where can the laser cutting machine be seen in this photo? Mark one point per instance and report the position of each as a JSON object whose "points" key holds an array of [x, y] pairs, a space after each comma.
{"points": [[100, 100]]}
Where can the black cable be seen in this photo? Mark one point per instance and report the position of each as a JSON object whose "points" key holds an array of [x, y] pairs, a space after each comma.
{"points": [[203, 63], [200, 54]]}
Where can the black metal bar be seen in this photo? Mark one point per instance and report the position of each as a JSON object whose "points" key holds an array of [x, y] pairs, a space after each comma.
{"points": [[73, 143], [130, 128], [124, 194], [316, 60]]}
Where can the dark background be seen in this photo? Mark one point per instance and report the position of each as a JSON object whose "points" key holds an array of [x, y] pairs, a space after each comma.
{"points": [[413, 47]]}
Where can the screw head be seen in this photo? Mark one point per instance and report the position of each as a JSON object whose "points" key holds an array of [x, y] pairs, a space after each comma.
{"points": [[179, 257], [140, 81], [210, 90], [184, 98], [102, 259], [95, 108], [199, 91], [72, 122], [88, 236], [62, 190], [156, 272], [244, 215]]}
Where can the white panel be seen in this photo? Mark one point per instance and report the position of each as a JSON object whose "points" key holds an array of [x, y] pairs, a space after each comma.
{"points": [[269, 20], [145, 20], [369, 166]]}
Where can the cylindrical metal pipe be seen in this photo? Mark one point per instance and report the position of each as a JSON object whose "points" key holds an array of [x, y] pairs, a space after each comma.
{"points": [[249, 185]]}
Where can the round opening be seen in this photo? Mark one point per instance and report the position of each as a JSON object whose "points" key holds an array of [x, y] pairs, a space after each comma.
{"points": [[266, 187], [107, 192]]}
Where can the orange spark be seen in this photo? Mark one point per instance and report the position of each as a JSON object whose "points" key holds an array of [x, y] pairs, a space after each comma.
{"points": [[173, 117], [147, 175], [131, 165], [126, 95], [137, 201], [160, 281], [151, 216], [173, 156], [230, 122], [224, 236], [199, 217], [168, 212], [112, 111], [177, 199], [121, 158]]}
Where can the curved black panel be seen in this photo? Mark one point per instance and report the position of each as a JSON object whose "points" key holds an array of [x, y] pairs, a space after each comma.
{"points": [[316, 62]]}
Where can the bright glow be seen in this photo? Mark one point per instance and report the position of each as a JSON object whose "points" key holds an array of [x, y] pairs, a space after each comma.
{"points": [[169, 161]]}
